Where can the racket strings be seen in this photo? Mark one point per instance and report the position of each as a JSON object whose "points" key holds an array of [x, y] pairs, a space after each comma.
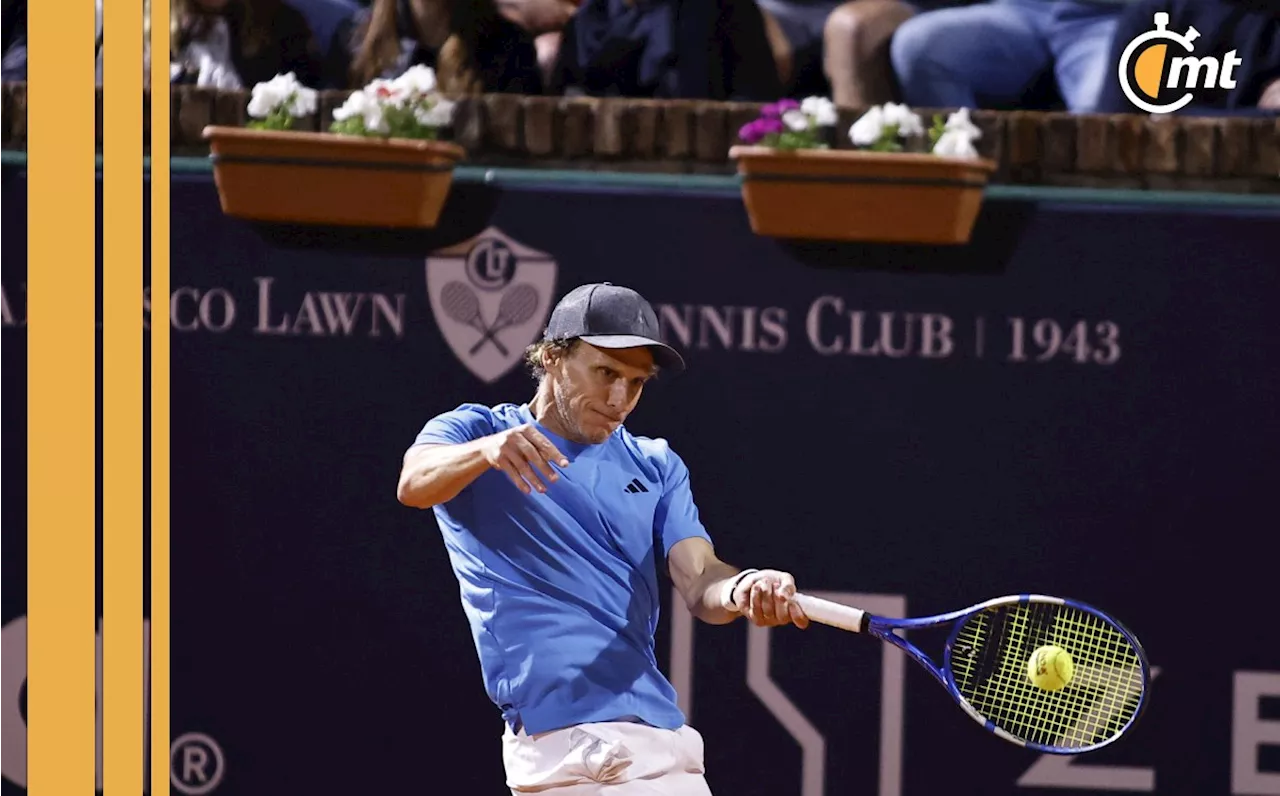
{"points": [[991, 674]]}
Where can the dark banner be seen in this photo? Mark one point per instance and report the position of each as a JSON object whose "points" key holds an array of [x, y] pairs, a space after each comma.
{"points": [[1082, 402]]}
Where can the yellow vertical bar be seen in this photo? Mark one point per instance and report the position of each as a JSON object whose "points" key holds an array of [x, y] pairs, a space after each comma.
{"points": [[159, 667], [122, 735], [61, 373]]}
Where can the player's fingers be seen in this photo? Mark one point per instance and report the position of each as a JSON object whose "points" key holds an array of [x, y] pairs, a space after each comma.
{"points": [[549, 451], [774, 610], [755, 611], [544, 446], [507, 465], [526, 474], [798, 617], [742, 600], [782, 605], [762, 594], [786, 585], [530, 453]]}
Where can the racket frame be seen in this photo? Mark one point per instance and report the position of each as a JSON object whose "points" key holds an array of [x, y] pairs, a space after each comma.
{"points": [[883, 627]]}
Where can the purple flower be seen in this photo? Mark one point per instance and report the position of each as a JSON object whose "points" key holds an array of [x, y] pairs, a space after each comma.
{"points": [[776, 109], [753, 132], [771, 126]]}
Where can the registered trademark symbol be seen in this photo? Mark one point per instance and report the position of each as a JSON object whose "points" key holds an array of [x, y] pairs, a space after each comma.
{"points": [[196, 765]]}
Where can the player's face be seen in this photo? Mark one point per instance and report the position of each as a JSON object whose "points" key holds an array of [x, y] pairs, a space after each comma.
{"points": [[596, 388]]}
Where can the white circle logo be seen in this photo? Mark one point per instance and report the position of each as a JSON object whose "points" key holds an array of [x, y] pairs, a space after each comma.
{"points": [[196, 764]]}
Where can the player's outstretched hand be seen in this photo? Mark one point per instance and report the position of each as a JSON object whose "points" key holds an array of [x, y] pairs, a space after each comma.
{"points": [[767, 598], [525, 455]]}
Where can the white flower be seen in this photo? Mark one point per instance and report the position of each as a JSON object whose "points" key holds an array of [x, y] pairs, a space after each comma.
{"points": [[873, 124], [354, 106], [419, 79], [958, 136], [959, 122], [407, 101], [438, 115], [866, 131], [820, 109], [267, 97], [282, 91], [363, 104], [908, 123], [956, 144], [387, 92], [305, 102], [796, 120]]}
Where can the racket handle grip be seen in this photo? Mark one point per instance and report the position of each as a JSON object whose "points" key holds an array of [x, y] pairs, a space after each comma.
{"points": [[826, 612]]}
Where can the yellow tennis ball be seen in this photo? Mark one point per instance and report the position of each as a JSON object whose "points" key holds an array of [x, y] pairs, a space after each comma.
{"points": [[1050, 668]]}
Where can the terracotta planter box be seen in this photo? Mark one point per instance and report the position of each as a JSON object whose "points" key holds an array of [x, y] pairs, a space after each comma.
{"points": [[852, 195], [324, 178]]}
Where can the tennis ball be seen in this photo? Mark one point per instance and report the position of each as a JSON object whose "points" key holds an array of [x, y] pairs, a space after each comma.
{"points": [[1050, 668]]}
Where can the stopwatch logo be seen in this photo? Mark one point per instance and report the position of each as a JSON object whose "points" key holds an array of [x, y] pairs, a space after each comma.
{"points": [[1156, 68]]}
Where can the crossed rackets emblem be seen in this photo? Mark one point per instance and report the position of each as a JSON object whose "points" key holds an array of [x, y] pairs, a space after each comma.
{"points": [[462, 304]]}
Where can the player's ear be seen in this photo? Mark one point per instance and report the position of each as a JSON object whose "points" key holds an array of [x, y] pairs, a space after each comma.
{"points": [[553, 357], [550, 357]]}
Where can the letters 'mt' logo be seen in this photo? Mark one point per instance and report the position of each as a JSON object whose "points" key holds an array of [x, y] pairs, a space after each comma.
{"points": [[1149, 74]]}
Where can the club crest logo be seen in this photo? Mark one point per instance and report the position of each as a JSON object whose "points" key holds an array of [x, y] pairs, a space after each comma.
{"points": [[490, 296]]}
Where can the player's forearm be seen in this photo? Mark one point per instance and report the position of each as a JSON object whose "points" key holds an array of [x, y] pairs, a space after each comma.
{"points": [[436, 475], [708, 604]]}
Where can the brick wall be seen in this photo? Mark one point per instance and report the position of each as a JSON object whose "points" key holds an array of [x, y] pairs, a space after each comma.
{"points": [[1238, 155]]}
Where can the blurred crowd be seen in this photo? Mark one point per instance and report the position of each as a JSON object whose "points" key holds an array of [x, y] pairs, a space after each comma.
{"points": [[990, 54]]}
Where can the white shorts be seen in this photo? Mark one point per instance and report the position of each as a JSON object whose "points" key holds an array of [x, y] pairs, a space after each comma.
{"points": [[614, 758]]}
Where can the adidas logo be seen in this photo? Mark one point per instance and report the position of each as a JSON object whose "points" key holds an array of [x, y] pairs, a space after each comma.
{"points": [[635, 486]]}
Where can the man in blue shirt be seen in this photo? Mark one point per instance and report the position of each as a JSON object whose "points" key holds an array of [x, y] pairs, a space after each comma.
{"points": [[556, 519]]}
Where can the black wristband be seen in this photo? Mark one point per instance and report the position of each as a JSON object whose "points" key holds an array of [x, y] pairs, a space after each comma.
{"points": [[728, 598]]}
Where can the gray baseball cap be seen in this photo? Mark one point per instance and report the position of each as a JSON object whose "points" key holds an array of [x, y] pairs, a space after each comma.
{"points": [[610, 316]]}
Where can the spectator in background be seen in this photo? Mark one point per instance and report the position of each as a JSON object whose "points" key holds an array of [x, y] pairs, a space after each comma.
{"points": [[470, 45], [328, 20], [13, 21], [829, 47], [235, 44], [993, 54], [1250, 27], [855, 39], [545, 20], [667, 49]]}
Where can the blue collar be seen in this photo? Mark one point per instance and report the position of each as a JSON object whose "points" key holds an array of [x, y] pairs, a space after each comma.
{"points": [[569, 448]]}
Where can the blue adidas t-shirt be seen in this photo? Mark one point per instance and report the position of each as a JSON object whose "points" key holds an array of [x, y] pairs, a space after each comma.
{"points": [[561, 588]]}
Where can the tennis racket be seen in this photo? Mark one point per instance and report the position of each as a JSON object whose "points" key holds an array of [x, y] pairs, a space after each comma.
{"points": [[985, 666]]}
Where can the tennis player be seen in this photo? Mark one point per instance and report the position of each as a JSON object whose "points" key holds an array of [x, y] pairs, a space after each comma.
{"points": [[556, 520]]}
